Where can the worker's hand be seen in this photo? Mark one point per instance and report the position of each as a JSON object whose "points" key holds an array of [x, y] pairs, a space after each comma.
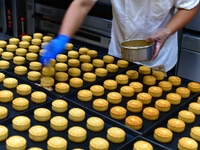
{"points": [[52, 49], [159, 39]]}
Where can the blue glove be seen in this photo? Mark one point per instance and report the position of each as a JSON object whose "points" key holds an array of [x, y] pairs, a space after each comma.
{"points": [[55, 47]]}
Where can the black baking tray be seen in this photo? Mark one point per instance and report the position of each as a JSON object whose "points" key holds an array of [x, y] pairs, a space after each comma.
{"points": [[176, 136], [147, 124], [12, 112], [130, 135]]}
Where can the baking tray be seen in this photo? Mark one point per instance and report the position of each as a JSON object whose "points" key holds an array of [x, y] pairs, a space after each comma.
{"points": [[130, 135], [147, 124], [176, 136], [12, 112]]}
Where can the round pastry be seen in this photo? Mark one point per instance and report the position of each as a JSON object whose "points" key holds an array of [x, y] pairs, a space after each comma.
{"points": [[34, 75], [194, 107], [20, 104], [59, 106], [83, 50], [47, 81], [155, 91], [37, 35], [118, 112], [56, 143], [74, 62], [38, 133], [4, 64], [77, 134], [73, 54], [159, 75], [6, 96], [85, 58], [112, 68], [110, 84], [134, 106], [176, 125], [10, 82], [3, 43], [186, 116], [150, 113], [76, 82], [2, 76], [173, 98], [98, 143], [144, 70], [84, 95], [21, 123], [97, 90], [145, 98], [142, 145], [194, 87], [187, 143], [100, 104], [195, 133], [98, 63], [92, 53], [58, 123], [62, 88], [86, 67], [34, 48], [76, 114], [7, 55], [127, 91], [3, 133], [165, 85], [23, 89], [48, 71], [74, 72], [3, 112], [61, 58], [122, 63], [18, 60], [42, 114], [20, 70], [69, 46], [175, 80], [132, 74], [20, 51], [101, 72], [31, 56], [61, 76], [26, 38], [163, 105], [35, 66], [95, 124], [121, 79], [1, 51], [24, 44], [16, 142], [108, 59], [137, 86], [46, 38], [183, 92], [149, 80], [38, 97], [35, 148], [198, 99], [134, 122], [116, 135], [11, 47], [114, 97], [89, 77], [163, 135]]}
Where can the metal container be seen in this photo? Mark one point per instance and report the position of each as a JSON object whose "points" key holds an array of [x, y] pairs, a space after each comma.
{"points": [[137, 50]]}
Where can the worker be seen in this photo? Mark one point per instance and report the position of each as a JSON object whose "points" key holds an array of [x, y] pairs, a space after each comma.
{"points": [[153, 20]]}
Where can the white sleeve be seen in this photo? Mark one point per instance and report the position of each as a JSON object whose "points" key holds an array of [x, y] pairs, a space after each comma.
{"points": [[186, 4]]}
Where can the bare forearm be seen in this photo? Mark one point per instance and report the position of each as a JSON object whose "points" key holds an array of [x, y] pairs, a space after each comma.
{"points": [[74, 16], [181, 18]]}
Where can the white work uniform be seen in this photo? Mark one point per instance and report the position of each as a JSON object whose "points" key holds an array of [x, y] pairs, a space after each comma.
{"points": [[138, 19]]}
